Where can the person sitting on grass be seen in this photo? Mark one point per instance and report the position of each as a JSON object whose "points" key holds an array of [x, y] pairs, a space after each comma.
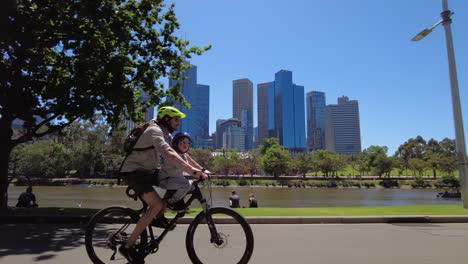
{"points": [[252, 201], [234, 200], [27, 199]]}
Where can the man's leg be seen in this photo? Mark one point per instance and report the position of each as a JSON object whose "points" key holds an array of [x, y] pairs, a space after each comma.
{"points": [[155, 205]]}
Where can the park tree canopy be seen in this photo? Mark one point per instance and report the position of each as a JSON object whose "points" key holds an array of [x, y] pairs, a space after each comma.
{"points": [[62, 61]]}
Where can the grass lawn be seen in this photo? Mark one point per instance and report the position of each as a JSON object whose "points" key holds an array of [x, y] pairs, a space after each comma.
{"points": [[316, 211]]}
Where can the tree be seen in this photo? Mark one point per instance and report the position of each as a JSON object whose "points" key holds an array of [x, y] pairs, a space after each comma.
{"points": [[325, 161], [221, 163], [204, 157], [43, 158], [302, 163], [63, 61], [448, 164], [417, 165], [413, 148], [383, 165], [252, 161], [268, 143], [276, 160]]}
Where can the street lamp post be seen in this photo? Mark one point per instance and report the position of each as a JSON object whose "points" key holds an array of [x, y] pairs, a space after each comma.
{"points": [[457, 113]]}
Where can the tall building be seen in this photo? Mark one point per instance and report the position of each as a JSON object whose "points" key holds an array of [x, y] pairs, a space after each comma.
{"points": [[286, 113], [242, 108], [233, 138], [315, 102], [262, 111], [198, 95], [226, 131], [342, 127]]}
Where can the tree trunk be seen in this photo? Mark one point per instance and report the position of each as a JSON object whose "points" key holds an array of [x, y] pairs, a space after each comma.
{"points": [[6, 143]]}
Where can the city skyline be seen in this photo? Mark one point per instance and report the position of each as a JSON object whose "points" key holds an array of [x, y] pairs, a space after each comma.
{"points": [[360, 49]]}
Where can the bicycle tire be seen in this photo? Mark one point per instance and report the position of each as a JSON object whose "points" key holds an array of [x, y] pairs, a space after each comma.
{"points": [[225, 220], [107, 230]]}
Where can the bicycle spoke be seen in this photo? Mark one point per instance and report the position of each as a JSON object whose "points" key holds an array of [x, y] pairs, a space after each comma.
{"points": [[107, 232], [234, 243]]}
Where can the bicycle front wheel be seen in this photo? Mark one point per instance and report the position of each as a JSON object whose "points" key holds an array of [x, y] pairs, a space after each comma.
{"points": [[108, 230], [228, 240]]}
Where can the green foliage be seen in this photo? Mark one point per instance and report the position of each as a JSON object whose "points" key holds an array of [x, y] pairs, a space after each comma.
{"points": [[276, 160], [66, 60], [448, 181], [203, 157], [419, 182], [387, 183], [43, 158], [328, 162], [88, 56], [221, 182], [302, 163]]}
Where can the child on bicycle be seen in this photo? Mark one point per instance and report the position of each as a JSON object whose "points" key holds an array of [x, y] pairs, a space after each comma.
{"points": [[171, 176]]}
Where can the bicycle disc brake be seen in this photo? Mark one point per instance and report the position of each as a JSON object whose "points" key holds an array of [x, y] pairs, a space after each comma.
{"points": [[221, 241]]}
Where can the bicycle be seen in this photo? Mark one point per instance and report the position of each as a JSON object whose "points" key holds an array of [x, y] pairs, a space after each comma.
{"points": [[222, 228]]}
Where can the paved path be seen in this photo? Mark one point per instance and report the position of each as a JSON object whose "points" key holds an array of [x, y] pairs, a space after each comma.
{"points": [[424, 243]]}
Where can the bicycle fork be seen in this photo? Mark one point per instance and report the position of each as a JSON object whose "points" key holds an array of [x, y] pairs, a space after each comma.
{"points": [[215, 237]]}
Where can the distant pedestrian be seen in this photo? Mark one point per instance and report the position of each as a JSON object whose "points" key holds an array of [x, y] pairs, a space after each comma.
{"points": [[252, 201], [27, 199], [234, 200]]}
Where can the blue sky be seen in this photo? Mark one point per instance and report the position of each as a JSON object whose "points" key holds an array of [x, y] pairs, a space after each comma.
{"points": [[360, 49]]}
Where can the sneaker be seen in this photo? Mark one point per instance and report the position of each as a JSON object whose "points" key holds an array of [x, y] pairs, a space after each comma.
{"points": [[177, 206], [162, 222], [129, 253]]}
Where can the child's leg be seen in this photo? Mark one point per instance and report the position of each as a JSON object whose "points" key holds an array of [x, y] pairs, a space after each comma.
{"points": [[182, 186]]}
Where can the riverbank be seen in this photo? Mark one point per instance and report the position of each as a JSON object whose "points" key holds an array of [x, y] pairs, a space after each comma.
{"points": [[377, 214], [446, 182]]}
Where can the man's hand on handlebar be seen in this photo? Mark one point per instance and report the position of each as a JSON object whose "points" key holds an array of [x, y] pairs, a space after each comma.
{"points": [[199, 174]]}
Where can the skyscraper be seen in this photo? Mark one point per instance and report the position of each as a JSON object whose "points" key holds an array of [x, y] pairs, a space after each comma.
{"points": [[242, 108], [198, 95], [226, 133], [342, 129], [262, 111], [315, 102], [286, 119]]}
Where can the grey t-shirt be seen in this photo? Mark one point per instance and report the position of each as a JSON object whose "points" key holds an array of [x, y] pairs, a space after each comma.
{"points": [[148, 160]]}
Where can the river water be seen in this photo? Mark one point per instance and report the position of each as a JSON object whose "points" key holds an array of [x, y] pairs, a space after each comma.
{"points": [[99, 197]]}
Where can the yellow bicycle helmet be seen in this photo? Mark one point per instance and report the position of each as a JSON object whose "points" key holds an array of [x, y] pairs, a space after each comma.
{"points": [[169, 111]]}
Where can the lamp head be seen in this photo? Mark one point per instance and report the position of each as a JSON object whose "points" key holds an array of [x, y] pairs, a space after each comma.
{"points": [[422, 34]]}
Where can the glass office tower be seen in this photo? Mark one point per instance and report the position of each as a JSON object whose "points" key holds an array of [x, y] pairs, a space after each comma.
{"points": [[196, 122], [286, 102], [242, 108], [315, 102]]}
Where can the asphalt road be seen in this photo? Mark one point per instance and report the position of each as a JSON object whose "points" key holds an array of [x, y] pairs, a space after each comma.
{"points": [[302, 243]]}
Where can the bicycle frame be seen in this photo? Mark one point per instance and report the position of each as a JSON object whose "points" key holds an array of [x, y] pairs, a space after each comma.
{"points": [[196, 194]]}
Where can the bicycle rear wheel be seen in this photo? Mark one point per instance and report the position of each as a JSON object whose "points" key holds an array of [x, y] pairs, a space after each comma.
{"points": [[235, 241], [108, 230]]}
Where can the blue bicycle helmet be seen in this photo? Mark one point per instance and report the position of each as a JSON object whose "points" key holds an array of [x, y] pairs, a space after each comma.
{"points": [[178, 137]]}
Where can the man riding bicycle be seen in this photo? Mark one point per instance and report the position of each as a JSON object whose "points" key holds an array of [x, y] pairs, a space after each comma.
{"points": [[141, 170]]}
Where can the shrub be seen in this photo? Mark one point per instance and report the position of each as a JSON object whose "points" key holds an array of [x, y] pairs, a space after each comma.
{"points": [[389, 183]]}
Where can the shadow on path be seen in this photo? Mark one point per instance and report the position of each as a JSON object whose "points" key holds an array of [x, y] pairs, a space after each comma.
{"points": [[41, 240]]}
